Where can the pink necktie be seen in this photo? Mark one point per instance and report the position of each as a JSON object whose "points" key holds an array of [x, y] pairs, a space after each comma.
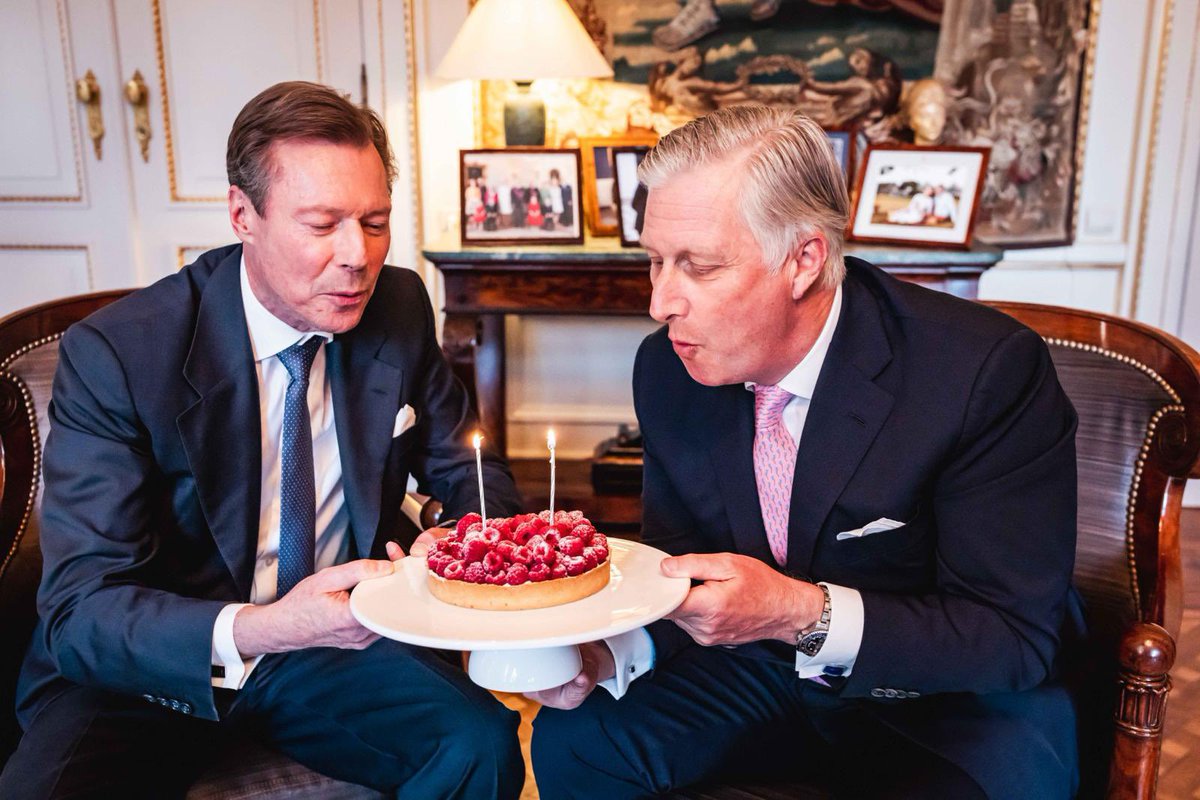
{"points": [[774, 465]]}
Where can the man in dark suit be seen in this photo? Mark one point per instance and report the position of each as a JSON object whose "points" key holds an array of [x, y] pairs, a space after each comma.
{"points": [[873, 486], [228, 455]]}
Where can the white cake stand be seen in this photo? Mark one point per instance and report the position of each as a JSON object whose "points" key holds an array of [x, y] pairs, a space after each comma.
{"points": [[521, 651]]}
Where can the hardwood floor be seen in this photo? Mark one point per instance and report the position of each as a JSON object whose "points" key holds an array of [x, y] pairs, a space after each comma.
{"points": [[1179, 776]]}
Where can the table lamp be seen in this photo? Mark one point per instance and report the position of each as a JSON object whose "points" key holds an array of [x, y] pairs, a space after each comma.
{"points": [[523, 40]]}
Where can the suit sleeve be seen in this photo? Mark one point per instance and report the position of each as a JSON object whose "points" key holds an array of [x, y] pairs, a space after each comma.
{"points": [[104, 626], [1005, 509], [667, 523], [444, 463]]}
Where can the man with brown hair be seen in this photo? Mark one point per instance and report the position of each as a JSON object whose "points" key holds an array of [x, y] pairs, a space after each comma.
{"points": [[228, 454]]}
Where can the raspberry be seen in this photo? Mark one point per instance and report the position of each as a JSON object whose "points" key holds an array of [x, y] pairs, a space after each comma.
{"points": [[466, 521], [551, 536], [474, 528], [455, 550], [544, 516], [599, 540], [474, 573], [492, 535], [570, 545], [517, 573], [453, 571], [577, 516], [493, 562], [584, 531], [538, 523], [576, 565], [562, 518], [496, 579], [474, 550], [524, 533], [522, 555], [539, 572], [601, 552], [542, 551], [505, 548], [559, 570], [589, 558]]}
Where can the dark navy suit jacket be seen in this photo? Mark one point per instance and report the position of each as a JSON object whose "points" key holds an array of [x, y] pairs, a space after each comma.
{"points": [[949, 417], [153, 473]]}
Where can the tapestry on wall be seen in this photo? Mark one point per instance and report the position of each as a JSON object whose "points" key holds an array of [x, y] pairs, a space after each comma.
{"points": [[1013, 68]]}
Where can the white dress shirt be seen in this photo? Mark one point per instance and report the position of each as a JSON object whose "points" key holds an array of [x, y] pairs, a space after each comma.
{"points": [[268, 337], [633, 652]]}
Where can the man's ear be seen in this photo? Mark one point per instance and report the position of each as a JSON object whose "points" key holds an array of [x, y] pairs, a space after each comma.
{"points": [[808, 260], [242, 215]]}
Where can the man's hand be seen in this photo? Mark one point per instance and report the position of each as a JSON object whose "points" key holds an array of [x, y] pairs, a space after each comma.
{"points": [[597, 666], [315, 613], [741, 600], [421, 545]]}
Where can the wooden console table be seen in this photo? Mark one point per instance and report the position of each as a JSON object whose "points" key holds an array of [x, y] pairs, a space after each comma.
{"points": [[484, 284]]}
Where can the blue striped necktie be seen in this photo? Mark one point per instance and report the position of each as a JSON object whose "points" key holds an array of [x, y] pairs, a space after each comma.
{"points": [[297, 496]]}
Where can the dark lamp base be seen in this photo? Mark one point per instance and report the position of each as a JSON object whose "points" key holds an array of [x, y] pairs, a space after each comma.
{"points": [[524, 118]]}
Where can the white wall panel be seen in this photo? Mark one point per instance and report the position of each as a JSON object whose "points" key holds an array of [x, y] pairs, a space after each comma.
{"points": [[31, 276], [39, 157]]}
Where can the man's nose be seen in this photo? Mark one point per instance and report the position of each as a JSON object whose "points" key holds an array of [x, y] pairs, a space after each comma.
{"points": [[666, 301], [351, 245]]}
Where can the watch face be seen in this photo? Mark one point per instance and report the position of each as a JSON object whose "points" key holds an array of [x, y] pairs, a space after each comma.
{"points": [[810, 645]]}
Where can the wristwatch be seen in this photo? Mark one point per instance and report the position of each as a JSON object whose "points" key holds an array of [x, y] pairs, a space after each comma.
{"points": [[810, 640]]}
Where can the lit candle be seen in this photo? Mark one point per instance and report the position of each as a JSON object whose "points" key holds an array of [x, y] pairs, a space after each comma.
{"points": [[479, 471], [550, 442]]}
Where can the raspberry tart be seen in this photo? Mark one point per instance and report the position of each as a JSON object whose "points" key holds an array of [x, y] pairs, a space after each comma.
{"points": [[521, 562]]}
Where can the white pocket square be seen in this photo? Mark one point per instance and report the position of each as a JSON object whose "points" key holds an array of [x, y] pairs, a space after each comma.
{"points": [[405, 419], [878, 526]]}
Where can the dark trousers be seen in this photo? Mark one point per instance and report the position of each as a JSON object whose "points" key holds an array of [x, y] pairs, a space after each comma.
{"points": [[394, 717], [709, 715]]}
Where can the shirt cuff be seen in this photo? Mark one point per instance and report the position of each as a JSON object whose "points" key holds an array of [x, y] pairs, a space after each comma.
{"points": [[840, 651], [225, 653], [633, 656]]}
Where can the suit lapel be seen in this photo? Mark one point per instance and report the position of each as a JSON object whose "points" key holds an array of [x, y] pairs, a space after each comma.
{"points": [[221, 432], [732, 455], [366, 395], [845, 415]]}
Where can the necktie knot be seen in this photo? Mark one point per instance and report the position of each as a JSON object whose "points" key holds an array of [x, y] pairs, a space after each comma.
{"points": [[769, 402], [298, 359]]}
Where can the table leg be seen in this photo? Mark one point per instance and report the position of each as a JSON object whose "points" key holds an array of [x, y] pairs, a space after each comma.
{"points": [[474, 346]]}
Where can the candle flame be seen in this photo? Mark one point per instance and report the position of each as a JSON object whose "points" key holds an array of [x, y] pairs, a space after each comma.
{"points": [[477, 440], [550, 439]]}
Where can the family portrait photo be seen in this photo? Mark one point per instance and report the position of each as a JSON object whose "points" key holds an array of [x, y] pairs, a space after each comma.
{"points": [[919, 195], [520, 196]]}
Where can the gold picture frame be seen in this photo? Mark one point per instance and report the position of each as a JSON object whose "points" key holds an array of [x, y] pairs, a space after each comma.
{"points": [[599, 222]]}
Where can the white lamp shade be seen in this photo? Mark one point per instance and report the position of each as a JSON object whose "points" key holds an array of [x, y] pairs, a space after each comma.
{"points": [[523, 40]]}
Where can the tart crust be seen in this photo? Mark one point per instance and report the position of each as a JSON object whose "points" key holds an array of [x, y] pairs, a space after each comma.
{"points": [[531, 594]]}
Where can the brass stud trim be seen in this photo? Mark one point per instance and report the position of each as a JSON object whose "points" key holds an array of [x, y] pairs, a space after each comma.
{"points": [[1151, 427], [1124, 359], [35, 440]]}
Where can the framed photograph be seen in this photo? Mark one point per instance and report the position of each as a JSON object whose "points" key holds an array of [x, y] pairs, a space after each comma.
{"points": [[842, 142], [522, 195], [599, 179], [631, 195], [918, 195]]}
